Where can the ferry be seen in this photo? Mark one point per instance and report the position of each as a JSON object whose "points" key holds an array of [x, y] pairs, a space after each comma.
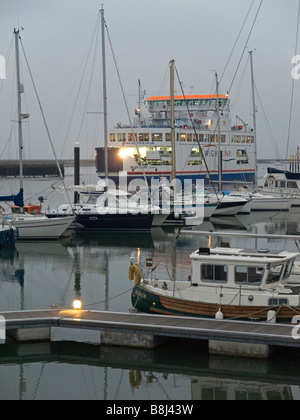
{"points": [[203, 131]]}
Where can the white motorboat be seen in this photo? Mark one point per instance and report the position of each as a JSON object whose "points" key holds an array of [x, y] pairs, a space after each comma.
{"points": [[231, 283]]}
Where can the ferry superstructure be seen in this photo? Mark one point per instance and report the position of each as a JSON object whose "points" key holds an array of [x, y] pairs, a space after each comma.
{"points": [[203, 130]]}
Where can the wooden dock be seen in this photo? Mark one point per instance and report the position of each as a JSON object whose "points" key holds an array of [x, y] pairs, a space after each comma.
{"points": [[136, 326]]}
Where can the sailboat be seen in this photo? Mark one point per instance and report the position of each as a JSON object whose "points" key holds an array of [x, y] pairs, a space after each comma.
{"points": [[29, 225], [98, 212]]}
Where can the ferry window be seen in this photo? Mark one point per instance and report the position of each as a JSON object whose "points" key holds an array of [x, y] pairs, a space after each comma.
{"points": [[195, 137], [168, 136], [112, 137], [156, 136], [143, 137], [195, 162], [214, 273], [248, 275], [274, 274], [121, 136], [223, 138], [131, 138], [241, 153], [280, 184], [190, 137], [292, 184], [182, 137]]}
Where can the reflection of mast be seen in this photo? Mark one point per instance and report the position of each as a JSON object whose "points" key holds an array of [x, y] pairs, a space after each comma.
{"points": [[77, 279]]}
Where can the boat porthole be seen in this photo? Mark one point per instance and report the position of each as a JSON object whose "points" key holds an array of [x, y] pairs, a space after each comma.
{"points": [[250, 298]]}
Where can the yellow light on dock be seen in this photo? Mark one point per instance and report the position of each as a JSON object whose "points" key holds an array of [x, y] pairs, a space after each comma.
{"points": [[77, 304]]}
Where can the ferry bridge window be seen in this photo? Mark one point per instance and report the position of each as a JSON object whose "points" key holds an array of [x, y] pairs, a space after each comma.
{"points": [[131, 137], [156, 136], [143, 137], [248, 275], [121, 137], [214, 273]]}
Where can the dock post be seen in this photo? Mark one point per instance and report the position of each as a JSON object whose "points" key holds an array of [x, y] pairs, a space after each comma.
{"points": [[239, 349], [23, 335]]}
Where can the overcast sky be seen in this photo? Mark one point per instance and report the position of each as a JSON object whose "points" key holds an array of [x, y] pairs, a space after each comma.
{"points": [[145, 35]]}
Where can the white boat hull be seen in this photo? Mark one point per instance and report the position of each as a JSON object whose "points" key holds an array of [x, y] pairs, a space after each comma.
{"points": [[31, 227]]}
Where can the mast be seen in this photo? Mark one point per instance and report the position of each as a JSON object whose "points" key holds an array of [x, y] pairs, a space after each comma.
{"points": [[104, 93], [254, 116], [20, 90], [172, 116], [219, 139]]}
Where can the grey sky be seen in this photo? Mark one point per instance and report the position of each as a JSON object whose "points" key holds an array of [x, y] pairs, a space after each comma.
{"points": [[198, 34]]}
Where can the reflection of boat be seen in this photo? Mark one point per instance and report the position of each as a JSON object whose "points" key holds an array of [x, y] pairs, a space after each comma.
{"points": [[225, 283], [8, 235], [31, 225]]}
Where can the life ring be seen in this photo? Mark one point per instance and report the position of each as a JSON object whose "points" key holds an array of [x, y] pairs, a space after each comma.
{"points": [[135, 273]]}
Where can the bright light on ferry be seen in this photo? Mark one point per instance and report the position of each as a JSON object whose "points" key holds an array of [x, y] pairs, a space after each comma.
{"points": [[77, 304], [123, 153]]}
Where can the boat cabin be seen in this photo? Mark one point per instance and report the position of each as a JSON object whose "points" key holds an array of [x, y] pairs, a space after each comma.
{"points": [[27, 209], [260, 269]]}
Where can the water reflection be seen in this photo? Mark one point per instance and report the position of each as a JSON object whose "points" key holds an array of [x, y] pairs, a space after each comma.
{"points": [[82, 371], [94, 267]]}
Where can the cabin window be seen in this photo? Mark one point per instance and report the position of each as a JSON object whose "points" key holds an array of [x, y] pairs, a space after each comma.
{"points": [[112, 137], [280, 184], [288, 269], [274, 274], [249, 275], [278, 302], [214, 273], [292, 184]]}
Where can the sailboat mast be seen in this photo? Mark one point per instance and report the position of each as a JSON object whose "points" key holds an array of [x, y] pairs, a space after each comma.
{"points": [[220, 169], [20, 90], [172, 116], [254, 115], [104, 93]]}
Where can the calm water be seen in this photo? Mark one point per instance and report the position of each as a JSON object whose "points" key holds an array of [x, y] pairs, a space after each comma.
{"points": [[94, 267]]}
